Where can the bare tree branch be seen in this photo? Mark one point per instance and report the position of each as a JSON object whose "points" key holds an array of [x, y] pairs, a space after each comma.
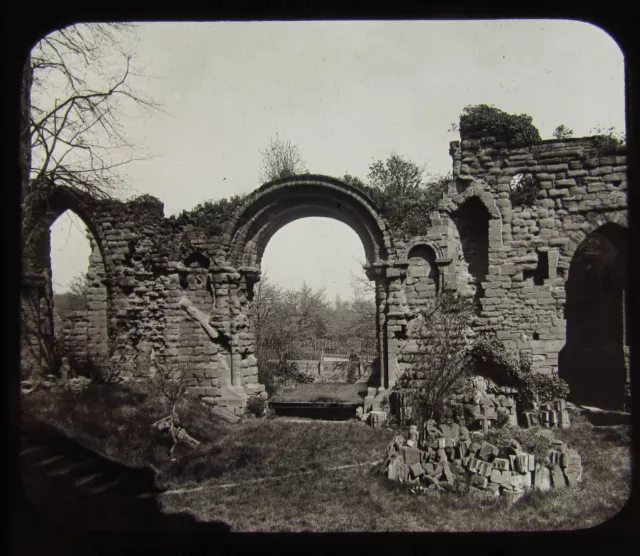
{"points": [[76, 87]]}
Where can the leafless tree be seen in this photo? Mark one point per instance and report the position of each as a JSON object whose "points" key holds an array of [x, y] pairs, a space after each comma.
{"points": [[444, 329], [77, 84], [280, 159], [170, 379]]}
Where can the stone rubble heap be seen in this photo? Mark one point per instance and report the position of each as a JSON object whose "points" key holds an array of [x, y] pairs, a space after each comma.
{"points": [[446, 455]]}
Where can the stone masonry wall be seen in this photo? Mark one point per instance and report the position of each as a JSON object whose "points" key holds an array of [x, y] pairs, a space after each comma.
{"points": [[581, 188], [176, 287]]}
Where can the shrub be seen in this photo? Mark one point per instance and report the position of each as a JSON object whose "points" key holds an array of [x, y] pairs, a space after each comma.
{"points": [[257, 406], [562, 132], [608, 139], [490, 358], [444, 327], [213, 216], [486, 120]]}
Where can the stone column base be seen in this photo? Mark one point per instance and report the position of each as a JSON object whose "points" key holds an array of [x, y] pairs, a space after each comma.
{"points": [[234, 399]]}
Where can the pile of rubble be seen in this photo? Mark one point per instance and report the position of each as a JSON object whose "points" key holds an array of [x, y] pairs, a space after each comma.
{"points": [[443, 456]]}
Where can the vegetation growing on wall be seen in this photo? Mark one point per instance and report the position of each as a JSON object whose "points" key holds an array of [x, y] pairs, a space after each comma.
{"points": [[490, 358], [212, 216], [608, 139], [483, 120]]}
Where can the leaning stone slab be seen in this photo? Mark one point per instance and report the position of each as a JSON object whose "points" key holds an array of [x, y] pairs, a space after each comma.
{"points": [[542, 478], [557, 477], [416, 470], [410, 455]]}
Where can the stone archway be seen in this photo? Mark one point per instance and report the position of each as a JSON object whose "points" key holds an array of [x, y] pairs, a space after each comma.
{"points": [[86, 333], [594, 360], [279, 203]]}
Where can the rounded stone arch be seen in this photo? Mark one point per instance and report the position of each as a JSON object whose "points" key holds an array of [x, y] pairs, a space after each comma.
{"points": [[452, 204], [47, 209], [594, 360], [476, 222], [276, 204], [596, 221], [421, 243], [37, 315]]}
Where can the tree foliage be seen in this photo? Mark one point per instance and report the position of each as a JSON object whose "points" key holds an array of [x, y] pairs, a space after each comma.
{"points": [[403, 192], [76, 90], [289, 322], [280, 159], [482, 120]]}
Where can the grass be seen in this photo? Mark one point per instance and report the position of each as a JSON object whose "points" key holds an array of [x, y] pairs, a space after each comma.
{"points": [[116, 420]]}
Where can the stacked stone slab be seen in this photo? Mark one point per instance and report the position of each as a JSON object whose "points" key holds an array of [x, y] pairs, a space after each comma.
{"points": [[550, 415], [443, 455]]}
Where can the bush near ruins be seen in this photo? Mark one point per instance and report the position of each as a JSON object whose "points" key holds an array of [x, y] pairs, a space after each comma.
{"points": [[608, 139], [562, 132], [441, 364], [482, 120], [280, 159], [213, 216], [490, 358]]}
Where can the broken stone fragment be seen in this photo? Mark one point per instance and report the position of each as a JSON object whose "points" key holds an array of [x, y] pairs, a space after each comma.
{"points": [[413, 433], [474, 448], [542, 478], [487, 451], [479, 481], [410, 455], [416, 469], [515, 446], [447, 473], [392, 470], [377, 418], [501, 463], [558, 479]]}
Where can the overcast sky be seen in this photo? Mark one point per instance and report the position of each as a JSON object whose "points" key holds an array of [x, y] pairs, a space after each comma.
{"points": [[347, 93]]}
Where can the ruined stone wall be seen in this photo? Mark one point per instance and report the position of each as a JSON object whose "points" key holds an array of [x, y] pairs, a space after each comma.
{"points": [[181, 288], [528, 249]]}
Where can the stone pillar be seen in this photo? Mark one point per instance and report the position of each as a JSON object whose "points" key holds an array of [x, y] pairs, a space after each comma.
{"points": [[376, 273]]}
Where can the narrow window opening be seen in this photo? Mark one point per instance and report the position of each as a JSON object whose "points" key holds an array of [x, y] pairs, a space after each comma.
{"points": [[541, 272]]}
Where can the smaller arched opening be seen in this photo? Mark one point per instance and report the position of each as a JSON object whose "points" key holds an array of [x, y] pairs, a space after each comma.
{"points": [[62, 314], [593, 359]]}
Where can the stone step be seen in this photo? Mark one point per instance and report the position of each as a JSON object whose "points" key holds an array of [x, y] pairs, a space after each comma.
{"points": [[86, 479], [65, 469], [103, 487], [33, 449], [49, 461]]}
